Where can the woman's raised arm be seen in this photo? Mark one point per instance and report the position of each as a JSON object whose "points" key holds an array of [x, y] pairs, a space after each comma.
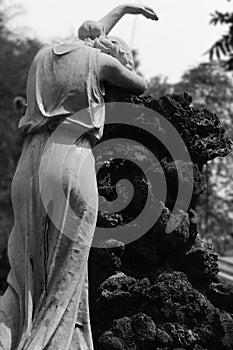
{"points": [[118, 12], [112, 71]]}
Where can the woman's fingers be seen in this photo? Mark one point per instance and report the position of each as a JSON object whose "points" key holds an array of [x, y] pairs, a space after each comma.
{"points": [[149, 13], [144, 10]]}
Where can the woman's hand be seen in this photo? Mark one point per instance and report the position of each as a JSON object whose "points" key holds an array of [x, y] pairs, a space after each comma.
{"points": [[110, 20], [137, 9]]}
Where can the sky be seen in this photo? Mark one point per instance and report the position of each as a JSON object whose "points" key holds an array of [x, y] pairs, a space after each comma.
{"points": [[174, 44]]}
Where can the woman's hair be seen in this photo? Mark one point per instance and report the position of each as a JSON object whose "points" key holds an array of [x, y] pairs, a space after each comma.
{"points": [[115, 47], [93, 34], [91, 29]]}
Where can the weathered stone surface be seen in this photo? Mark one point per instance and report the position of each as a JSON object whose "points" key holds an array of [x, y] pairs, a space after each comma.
{"points": [[200, 263], [221, 295], [161, 290], [152, 249], [192, 180], [173, 299], [120, 295], [200, 129], [137, 332], [103, 262], [171, 314], [144, 330], [182, 337], [224, 330]]}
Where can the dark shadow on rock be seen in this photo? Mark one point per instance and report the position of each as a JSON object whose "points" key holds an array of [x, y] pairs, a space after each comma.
{"points": [[161, 291]]}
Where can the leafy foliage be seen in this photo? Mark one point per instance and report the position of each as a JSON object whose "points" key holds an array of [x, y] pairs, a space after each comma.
{"points": [[15, 59], [224, 46], [158, 86]]}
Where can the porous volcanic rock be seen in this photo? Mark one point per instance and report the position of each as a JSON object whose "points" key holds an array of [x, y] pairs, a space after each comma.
{"points": [[160, 290]]}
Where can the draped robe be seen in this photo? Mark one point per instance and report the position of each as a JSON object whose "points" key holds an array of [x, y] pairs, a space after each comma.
{"points": [[46, 303]]}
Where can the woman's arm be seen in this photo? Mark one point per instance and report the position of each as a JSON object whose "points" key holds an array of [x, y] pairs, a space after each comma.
{"points": [[112, 71], [118, 12]]}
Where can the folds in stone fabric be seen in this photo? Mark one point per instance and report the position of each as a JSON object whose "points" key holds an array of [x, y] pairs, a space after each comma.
{"points": [[46, 303]]}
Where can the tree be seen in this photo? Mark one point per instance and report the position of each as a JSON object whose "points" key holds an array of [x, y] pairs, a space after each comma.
{"points": [[15, 59], [211, 87], [224, 46], [158, 86]]}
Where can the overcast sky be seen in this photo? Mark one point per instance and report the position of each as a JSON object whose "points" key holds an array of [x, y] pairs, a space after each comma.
{"points": [[168, 47]]}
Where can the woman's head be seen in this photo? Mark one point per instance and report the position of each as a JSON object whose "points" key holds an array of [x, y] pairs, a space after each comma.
{"points": [[91, 29], [115, 47], [93, 34]]}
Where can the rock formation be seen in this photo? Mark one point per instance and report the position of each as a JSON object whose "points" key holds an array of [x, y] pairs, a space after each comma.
{"points": [[160, 291]]}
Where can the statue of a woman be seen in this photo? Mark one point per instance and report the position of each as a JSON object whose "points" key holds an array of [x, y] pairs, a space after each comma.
{"points": [[46, 303]]}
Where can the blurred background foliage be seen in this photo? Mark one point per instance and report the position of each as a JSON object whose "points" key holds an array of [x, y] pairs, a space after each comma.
{"points": [[223, 47], [210, 85], [15, 59]]}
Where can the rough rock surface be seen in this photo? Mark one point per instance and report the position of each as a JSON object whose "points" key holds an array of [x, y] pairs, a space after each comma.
{"points": [[160, 291]]}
